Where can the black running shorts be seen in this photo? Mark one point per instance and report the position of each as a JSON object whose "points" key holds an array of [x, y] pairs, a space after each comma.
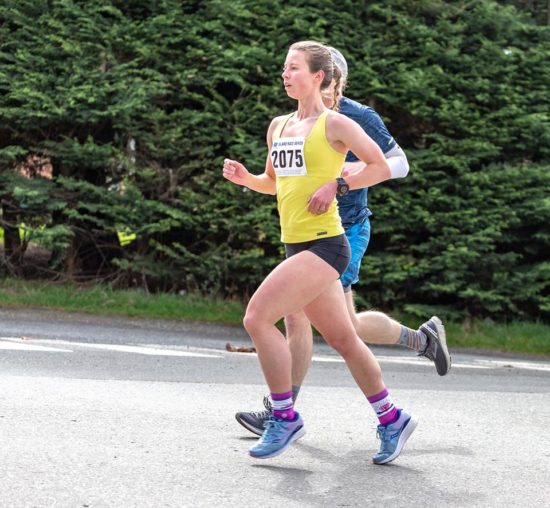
{"points": [[334, 250]]}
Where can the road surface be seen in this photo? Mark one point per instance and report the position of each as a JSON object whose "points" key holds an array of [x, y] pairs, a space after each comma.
{"points": [[108, 412]]}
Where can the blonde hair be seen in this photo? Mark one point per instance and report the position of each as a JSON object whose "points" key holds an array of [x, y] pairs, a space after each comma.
{"points": [[339, 84], [319, 58]]}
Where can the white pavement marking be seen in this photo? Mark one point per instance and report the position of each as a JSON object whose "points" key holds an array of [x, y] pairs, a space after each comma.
{"points": [[30, 345], [474, 363], [17, 343], [515, 364], [21, 346], [122, 348]]}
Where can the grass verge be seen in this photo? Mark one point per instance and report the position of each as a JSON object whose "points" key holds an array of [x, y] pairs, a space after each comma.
{"points": [[106, 301], [514, 337]]}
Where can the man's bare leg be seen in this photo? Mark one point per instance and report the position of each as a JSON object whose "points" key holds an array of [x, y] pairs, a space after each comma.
{"points": [[377, 328], [300, 341], [372, 326]]}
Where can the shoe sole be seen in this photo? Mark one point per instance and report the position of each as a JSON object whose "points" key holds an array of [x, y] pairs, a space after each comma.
{"points": [[407, 431], [443, 341], [248, 426], [297, 435]]}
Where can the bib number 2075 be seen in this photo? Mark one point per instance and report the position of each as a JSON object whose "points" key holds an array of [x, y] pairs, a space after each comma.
{"points": [[287, 157]]}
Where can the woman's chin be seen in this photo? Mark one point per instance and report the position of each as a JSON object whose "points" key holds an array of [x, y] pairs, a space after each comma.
{"points": [[290, 94]]}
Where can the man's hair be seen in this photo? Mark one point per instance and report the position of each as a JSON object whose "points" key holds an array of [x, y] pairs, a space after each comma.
{"points": [[340, 61]]}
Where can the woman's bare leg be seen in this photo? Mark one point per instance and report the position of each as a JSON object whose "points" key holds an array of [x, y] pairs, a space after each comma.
{"points": [[296, 282], [329, 314]]}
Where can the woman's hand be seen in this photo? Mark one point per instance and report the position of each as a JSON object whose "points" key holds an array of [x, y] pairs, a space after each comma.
{"points": [[320, 201], [235, 172]]}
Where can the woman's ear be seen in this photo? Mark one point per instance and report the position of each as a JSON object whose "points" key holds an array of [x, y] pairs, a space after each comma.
{"points": [[320, 76]]}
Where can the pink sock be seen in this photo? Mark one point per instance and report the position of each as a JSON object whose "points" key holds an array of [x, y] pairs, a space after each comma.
{"points": [[283, 406], [383, 407]]}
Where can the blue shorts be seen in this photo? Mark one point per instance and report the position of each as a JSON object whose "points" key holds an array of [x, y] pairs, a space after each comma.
{"points": [[358, 237]]}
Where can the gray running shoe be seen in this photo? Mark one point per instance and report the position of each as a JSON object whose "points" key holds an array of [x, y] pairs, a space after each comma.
{"points": [[255, 421], [436, 345]]}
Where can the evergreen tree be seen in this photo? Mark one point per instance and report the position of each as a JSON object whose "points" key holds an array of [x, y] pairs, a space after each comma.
{"points": [[136, 103]]}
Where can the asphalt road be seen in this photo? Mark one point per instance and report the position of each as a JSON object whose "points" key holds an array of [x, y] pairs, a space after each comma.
{"points": [[107, 412]]}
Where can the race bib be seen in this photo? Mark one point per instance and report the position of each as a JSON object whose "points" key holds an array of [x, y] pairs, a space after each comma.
{"points": [[287, 157]]}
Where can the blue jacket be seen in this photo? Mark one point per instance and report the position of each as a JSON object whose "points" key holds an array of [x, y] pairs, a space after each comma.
{"points": [[353, 206]]}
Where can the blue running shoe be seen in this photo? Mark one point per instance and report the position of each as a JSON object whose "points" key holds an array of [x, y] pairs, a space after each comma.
{"points": [[277, 437], [393, 437]]}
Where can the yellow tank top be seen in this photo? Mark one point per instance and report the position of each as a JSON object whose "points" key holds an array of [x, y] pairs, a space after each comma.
{"points": [[323, 164]]}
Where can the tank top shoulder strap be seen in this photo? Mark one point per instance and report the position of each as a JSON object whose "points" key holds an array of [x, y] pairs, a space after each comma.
{"points": [[320, 126], [281, 125]]}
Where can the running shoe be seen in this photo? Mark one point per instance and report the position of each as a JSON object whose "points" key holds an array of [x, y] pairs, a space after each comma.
{"points": [[393, 437], [278, 436], [255, 421], [436, 345]]}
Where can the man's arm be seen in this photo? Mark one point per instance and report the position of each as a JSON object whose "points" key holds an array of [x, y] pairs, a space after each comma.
{"points": [[396, 159]]}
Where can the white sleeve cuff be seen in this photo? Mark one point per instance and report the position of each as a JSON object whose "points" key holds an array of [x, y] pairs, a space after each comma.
{"points": [[398, 163]]}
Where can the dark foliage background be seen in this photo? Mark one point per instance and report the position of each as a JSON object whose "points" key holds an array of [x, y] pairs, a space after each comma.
{"points": [[134, 104]]}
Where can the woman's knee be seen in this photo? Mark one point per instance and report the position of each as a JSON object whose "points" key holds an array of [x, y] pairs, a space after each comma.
{"points": [[250, 321], [256, 321], [343, 343]]}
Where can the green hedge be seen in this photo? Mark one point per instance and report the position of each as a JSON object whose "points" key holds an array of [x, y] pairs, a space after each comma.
{"points": [[136, 103]]}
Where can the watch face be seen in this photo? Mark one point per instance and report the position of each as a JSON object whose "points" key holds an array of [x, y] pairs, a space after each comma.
{"points": [[343, 187]]}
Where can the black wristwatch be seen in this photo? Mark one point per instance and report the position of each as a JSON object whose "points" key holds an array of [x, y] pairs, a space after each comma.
{"points": [[342, 187]]}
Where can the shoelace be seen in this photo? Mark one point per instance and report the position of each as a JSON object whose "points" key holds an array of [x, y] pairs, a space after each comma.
{"points": [[264, 415], [267, 404], [428, 353], [428, 350], [383, 434], [272, 428], [261, 415]]}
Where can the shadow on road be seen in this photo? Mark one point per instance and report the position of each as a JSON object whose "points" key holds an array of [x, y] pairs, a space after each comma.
{"points": [[353, 480]]}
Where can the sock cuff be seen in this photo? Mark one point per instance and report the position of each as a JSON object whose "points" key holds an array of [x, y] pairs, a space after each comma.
{"points": [[281, 396], [379, 396]]}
